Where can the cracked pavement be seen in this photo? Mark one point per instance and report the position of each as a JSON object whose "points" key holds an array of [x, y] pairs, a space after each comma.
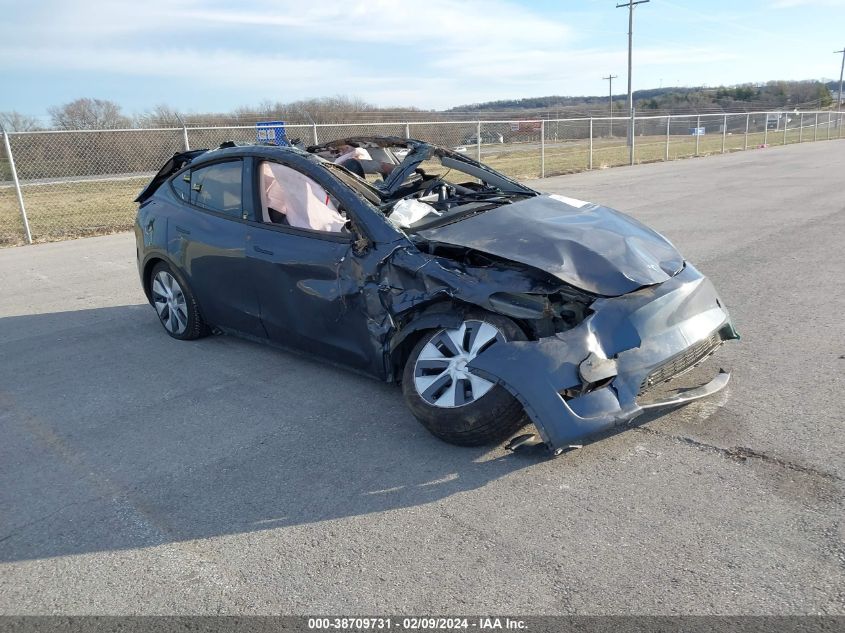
{"points": [[146, 476]]}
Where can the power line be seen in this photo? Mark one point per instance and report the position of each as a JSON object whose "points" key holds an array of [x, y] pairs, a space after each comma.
{"points": [[610, 79], [631, 4]]}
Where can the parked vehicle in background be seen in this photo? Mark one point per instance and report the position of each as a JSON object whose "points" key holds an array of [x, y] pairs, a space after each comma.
{"points": [[773, 120], [486, 138]]}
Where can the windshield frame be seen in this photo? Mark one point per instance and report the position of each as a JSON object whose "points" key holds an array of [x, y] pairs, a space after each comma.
{"points": [[368, 191]]}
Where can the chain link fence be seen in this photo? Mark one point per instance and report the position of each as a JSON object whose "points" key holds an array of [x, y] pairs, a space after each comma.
{"points": [[62, 184]]}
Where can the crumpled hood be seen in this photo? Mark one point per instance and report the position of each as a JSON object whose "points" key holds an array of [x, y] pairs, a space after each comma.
{"points": [[588, 246]]}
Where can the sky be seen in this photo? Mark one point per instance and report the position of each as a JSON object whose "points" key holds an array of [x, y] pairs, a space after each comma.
{"points": [[213, 56]]}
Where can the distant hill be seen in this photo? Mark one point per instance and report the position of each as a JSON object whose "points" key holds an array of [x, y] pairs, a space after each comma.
{"points": [[770, 95]]}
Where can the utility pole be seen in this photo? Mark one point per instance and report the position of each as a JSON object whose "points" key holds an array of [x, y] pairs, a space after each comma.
{"points": [[841, 71], [630, 4], [610, 79]]}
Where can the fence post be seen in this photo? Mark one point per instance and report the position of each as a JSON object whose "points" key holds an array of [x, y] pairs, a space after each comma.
{"points": [[724, 132], [747, 123], [785, 126], [17, 187], [407, 130], [184, 134], [314, 130], [543, 148], [697, 133], [666, 153], [801, 129], [478, 141], [816, 127], [839, 116], [633, 134], [828, 126], [591, 142], [765, 128]]}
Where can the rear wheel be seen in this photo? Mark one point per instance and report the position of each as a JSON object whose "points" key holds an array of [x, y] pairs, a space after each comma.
{"points": [[175, 304], [454, 404]]}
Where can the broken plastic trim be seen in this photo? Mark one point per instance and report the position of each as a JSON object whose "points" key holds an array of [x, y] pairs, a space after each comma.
{"points": [[176, 162], [719, 382]]}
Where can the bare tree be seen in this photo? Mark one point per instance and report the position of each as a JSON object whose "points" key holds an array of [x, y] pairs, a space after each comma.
{"points": [[162, 115], [88, 114], [14, 121]]}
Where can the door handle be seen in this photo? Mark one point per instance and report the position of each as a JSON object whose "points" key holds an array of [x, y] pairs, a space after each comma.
{"points": [[258, 249], [181, 230]]}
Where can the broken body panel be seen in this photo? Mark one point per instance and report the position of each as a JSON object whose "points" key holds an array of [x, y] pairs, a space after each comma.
{"points": [[608, 305], [590, 247], [631, 337]]}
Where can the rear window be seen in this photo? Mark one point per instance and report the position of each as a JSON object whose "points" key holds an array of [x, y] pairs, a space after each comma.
{"points": [[217, 187], [182, 185]]}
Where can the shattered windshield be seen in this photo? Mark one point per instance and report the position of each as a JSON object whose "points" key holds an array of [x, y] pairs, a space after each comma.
{"points": [[417, 185], [443, 188], [435, 194]]}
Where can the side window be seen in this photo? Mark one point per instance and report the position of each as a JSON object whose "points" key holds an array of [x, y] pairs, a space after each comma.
{"points": [[218, 188], [291, 198], [182, 185]]}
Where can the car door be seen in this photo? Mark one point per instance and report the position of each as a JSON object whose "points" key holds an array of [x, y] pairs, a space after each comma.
{"points": [[207, 235], [308, 292]]}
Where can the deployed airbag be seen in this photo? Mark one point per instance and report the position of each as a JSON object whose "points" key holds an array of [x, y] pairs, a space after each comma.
{"points": [[304, 203], [408, 212]]}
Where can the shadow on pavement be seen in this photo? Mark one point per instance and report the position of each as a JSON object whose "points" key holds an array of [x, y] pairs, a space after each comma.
{"points": [[114, 436]]}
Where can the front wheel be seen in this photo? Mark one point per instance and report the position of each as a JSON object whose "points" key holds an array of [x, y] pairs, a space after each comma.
{"points": [[454, 404]]}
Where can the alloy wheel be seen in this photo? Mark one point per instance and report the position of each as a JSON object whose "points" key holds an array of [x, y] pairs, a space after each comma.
{"points": [[441, 377], [169, 301]]}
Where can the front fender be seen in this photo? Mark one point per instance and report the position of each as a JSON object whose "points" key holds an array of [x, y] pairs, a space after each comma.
{"points": [[439, 315]]}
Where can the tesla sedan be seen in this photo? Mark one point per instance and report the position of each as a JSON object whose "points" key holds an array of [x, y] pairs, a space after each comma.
{"points": [[492, 304]]}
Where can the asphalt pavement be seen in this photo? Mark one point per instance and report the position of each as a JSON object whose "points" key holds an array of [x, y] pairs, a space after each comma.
{"points": [[143, 475]]}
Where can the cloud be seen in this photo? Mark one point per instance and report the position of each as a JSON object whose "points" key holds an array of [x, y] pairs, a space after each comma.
{"points": [[223, 68], [792, 4], [433, 54], [456, 24], [381, 50], [488, 60]]}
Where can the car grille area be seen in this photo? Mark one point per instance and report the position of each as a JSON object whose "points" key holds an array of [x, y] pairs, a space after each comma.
{"points": [[682, 362]]}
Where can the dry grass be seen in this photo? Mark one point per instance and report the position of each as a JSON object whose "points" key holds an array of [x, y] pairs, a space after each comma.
{"points": [[67, 210], [567, 158]]}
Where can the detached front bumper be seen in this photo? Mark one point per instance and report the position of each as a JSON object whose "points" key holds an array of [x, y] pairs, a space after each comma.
{"points": [[587, 379]]}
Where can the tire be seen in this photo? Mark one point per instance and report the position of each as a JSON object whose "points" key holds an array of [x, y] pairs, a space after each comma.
{"points": [[175, 304], [476, 413]]}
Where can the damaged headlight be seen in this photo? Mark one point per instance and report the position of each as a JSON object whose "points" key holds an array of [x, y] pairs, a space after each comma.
{"points": [[543, 314], [520, 306]]}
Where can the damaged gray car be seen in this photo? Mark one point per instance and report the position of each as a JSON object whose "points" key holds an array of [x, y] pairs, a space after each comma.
{"points": [[492, 304]]}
